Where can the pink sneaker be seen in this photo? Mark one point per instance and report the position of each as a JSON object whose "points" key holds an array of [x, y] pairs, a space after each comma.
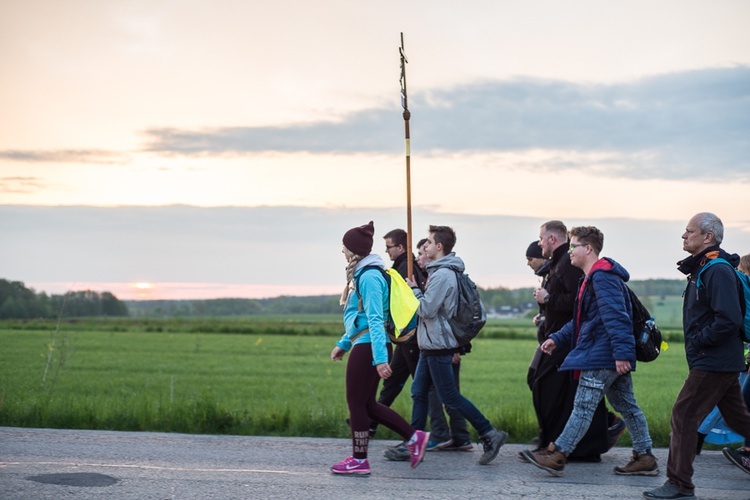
{"points": [[418, 448], [351, 466]]}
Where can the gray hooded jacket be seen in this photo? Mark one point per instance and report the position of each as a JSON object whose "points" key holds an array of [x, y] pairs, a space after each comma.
{"points": [[438, 303]]}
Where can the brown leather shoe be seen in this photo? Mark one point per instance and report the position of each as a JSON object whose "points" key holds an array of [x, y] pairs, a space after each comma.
{"points": [[550, 459], [639, 465]]}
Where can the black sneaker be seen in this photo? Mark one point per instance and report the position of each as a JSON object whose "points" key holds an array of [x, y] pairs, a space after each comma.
{"points": [[738, 457], [398, 453]]}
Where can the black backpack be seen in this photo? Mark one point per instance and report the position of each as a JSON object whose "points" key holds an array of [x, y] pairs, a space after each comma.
{"points": [[647, 335], [648, 339], [470, 315]]}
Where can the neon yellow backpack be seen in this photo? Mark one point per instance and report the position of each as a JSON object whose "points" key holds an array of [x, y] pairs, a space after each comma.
{"points": [[402, 302]]}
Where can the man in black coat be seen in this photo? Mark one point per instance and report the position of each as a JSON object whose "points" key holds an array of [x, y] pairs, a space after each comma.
{"points": [[553, 391], [712, 323]]}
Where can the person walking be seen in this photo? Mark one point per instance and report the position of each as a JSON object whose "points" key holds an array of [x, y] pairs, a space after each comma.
{"points": [[366, 306], [438, 347], [712, 322], [553, 390], [602, 356]]}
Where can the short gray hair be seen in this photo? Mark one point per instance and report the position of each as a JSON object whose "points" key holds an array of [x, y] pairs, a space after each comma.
{"points": [[710, 223]]}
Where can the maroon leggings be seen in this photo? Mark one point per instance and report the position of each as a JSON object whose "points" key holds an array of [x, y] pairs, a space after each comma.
{"points": [[361, 387]]}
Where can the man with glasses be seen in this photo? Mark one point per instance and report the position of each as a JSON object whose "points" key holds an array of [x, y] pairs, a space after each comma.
{"points": [[712, 323], [406, 352], [553, 391], [602, 355]]}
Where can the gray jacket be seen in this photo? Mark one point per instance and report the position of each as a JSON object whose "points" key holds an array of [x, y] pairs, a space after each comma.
{"points": [[438, 303]]}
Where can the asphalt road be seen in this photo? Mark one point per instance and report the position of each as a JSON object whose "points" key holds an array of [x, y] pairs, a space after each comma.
{"points": [[58, 464]]}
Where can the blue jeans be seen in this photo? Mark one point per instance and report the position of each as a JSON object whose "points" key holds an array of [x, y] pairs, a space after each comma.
{"points": [[438, 371], [440, 428], [592, 387]]}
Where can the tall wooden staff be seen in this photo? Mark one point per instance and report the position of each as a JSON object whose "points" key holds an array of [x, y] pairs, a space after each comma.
{"points": [[407, 115]]}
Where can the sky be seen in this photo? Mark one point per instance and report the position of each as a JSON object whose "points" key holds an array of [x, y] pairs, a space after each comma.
{"points": [[196, 149]]}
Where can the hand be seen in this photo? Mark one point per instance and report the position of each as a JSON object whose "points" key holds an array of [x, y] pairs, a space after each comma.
{"points": [[337, 354], [548, 346], [623, 367], [456, 358], [537, 319], [384, 370], [410, 281], [540, 294]]}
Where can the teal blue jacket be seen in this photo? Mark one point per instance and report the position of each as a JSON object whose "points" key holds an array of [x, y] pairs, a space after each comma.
{"points": [[373, 312]]}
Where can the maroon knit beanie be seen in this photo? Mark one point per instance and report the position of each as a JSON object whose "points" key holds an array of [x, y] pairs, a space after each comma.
{"points": [[359, 239]]}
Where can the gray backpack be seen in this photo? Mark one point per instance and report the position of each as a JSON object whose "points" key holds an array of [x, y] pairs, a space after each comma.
{"points": [[470, 315]]}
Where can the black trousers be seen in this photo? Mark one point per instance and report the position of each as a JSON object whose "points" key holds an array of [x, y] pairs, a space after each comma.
{"points": [[553, 393]]}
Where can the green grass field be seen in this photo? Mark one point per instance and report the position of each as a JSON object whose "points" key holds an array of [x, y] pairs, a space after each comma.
{"points": [[167, 378]]}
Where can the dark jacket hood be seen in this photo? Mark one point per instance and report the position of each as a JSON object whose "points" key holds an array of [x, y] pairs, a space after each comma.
{"points": [[691, 264]]}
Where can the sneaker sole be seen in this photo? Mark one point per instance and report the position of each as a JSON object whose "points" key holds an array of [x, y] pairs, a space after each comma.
{"points": [[503, 438], [639, 473], [556, 473], [731, 459], [439, 446], [396, 458], [352, 473], [466, 447], [650, 494]]}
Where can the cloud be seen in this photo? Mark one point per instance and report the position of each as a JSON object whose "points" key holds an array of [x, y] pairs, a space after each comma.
{"points": [[21, 185], [672, 126], [65, 156]]}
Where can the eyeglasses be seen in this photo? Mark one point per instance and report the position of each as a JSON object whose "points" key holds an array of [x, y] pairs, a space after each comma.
{"points": [[388, 247], [573, 246]]}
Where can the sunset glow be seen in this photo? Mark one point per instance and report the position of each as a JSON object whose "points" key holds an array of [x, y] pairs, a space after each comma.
{"points": [[163, 165]]}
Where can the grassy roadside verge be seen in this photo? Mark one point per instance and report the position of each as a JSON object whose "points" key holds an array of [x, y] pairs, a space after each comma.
{"points": [[121, 375]]}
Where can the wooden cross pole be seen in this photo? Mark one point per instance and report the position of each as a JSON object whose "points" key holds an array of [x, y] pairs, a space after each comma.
{"points": [[407, 115]]}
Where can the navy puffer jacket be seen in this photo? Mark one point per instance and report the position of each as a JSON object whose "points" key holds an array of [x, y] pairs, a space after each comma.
{"points": [[601, 331]]}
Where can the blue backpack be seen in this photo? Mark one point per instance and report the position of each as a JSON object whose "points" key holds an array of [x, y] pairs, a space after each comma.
{"points": [[744, 280]]}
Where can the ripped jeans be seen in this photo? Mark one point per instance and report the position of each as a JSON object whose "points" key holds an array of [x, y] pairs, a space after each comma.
{"points": [[592, 387]]}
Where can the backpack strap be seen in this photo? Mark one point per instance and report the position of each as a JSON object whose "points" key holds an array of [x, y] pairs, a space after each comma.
{"points": [[717, 260], [364, 270], [358, 335]]}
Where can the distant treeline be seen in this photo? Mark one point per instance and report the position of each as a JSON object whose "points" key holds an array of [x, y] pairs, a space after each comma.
{"points": [[19, 302], [494, 299]]}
